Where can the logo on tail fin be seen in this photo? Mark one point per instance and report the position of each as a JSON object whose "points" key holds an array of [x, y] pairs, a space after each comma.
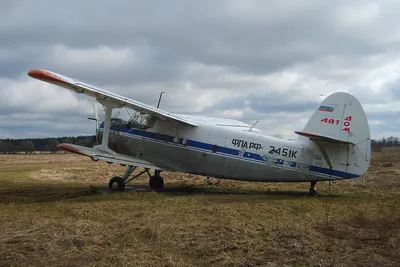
{"points": [[326, 108]]}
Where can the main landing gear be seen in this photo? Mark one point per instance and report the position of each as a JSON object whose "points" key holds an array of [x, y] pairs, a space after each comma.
{"points": [[118, 183], [313, 189], [156, 181]]}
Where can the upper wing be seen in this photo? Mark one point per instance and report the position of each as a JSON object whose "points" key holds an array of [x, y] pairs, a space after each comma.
{"points": [[83, 88]]}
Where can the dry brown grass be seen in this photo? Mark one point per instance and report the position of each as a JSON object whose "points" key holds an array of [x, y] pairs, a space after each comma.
{"points": [[391, 149], [50, 216]]}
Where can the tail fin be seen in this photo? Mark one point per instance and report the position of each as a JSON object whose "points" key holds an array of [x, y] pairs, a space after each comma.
{"points": [[340, 129]]}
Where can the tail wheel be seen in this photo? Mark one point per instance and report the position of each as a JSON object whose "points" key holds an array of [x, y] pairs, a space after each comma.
{"points": [[313, 192], [116, 184], [313, 189]]}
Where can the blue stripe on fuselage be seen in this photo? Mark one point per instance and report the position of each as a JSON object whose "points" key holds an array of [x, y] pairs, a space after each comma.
{"points": [[224, 150], [332, 172]]}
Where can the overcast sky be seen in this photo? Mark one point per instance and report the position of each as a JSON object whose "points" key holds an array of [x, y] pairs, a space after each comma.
{"points": [[242, 59]]}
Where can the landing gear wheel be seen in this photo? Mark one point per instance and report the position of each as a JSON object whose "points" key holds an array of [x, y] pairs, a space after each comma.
{"points": [[116, 184], [313, 192], [156, 182]]}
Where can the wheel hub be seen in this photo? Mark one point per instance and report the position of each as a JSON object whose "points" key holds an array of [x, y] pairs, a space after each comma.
{"points": [[114, 185]]}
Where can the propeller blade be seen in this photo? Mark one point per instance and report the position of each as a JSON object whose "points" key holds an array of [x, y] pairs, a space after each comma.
{"points": [[116, 115], [96, 114]]}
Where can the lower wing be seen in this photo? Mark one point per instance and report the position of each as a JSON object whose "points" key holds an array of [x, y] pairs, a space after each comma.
{"points": [[96, 154]]}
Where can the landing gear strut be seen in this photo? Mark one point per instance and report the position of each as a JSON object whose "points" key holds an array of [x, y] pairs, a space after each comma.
{"points": [[313, 189], [118, 183]]}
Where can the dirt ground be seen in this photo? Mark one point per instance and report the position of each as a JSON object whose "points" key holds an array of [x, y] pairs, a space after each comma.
{"points": [[56, 211]]}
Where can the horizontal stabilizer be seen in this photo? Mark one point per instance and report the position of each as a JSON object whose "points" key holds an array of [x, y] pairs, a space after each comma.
{"points": [[317, 137], [96, 154]]}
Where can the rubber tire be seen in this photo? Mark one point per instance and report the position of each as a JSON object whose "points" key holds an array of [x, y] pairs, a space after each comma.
{"points": [[116, 184], [313, 192], [156, 182]]}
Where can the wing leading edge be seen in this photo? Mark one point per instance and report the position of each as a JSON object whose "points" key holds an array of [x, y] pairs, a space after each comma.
{"points": [[102, 95]]}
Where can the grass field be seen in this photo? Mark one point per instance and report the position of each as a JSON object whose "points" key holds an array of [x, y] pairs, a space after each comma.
{"points": [[55, 211]]}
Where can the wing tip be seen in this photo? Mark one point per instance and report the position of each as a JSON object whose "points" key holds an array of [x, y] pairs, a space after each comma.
{"points": [[71, 149], [35, 73], [46, 76]]}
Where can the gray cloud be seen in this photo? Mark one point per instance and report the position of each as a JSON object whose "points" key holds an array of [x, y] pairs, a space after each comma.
{"points": [[247, 59], [238, 36]]}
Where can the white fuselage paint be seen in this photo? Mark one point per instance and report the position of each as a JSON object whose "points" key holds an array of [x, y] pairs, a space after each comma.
{"points": [[229, 152]]}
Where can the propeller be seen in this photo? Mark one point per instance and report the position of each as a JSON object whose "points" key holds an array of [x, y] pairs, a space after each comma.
{"points": [[116, 115], [96, 114], [96, 118]]}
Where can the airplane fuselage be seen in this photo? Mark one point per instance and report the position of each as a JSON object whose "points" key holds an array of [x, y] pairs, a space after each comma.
{"points": [[225, 151]]}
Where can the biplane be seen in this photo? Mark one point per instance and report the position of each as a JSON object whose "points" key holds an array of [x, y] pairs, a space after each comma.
{"points": [[334, 144]]}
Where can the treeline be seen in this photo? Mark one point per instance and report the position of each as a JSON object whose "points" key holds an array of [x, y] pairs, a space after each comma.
{"points": [[50, 144], [29, 145], [392, 141]]}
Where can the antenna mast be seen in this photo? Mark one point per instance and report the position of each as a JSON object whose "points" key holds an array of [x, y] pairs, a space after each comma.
{"points": [[253, 126], [159, 99]]}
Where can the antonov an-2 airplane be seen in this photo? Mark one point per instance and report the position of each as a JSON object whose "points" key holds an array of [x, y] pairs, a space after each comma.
{"points": [[335, 143]]}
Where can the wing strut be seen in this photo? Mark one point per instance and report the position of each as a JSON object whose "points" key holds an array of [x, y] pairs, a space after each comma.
{"points": [[109, 106]]}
